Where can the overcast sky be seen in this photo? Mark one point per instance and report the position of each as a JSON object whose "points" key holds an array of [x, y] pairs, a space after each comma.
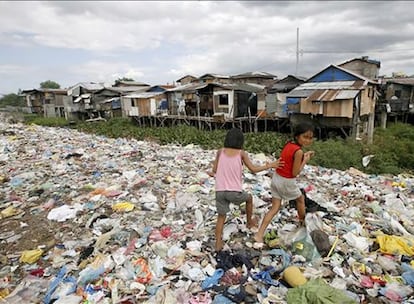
{"points": [[159, 42]]}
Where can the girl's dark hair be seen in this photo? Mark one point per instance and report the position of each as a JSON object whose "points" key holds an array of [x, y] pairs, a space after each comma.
{"points": [[234, 139], [301, 128]]}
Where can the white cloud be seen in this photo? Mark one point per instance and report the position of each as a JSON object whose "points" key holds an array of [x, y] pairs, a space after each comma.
{"points": [[161, 41], [99, 71], [13, 69]]}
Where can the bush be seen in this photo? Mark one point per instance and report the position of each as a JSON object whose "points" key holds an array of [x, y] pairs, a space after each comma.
{"points": [[337, 153], [45, 121], [393, 149]]}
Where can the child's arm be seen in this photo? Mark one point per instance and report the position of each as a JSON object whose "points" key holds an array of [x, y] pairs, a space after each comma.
{"points": [[254, 169], [215, 163], [299, 161]]}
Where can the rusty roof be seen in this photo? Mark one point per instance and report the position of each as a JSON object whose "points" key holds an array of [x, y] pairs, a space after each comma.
{"points": [[403, 81], [331, 95]]}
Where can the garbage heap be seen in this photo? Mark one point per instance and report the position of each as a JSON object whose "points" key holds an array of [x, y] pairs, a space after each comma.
{"points": [[91, 219]]}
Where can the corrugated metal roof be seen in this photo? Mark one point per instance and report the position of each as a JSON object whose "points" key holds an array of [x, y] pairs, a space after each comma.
{"points": [[254, 74], [90, 86], [404, 81], [214, 76], [327, 91], [248, 87], [299, 93], [188, 75], [316, 95], [109, 100], [133, 83], [188, 87], [46, 90], [144, 95], [331, 95], [347, 94], [128, 89], [328, 85]]}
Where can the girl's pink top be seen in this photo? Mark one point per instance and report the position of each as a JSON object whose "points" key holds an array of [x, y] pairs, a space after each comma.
{"points": [[229, 172]]}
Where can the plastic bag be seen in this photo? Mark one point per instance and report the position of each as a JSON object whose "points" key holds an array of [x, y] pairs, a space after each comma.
{"points": [[30, 256], [303, 245]]}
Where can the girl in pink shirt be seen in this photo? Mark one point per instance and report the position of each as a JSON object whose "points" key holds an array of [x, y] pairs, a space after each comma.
{"points": [[228, 170]]}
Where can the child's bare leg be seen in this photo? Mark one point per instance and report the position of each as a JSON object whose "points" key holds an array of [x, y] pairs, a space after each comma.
{"points": [[219, 231], [267, 219], [301, 208], [251, 221]]}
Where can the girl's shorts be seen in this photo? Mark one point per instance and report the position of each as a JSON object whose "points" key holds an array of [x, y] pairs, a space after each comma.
{"points": [[224, 198]]}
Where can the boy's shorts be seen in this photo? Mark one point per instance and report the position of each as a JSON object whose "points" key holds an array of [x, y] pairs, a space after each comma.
{"points": [[284, 188], [224, 198]]}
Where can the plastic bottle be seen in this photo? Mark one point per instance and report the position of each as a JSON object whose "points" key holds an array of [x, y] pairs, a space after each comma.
{"points": [[90, 274]]}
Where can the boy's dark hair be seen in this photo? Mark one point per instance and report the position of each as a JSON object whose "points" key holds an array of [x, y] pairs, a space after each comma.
{"points": [[234, 139], [302, 127]]}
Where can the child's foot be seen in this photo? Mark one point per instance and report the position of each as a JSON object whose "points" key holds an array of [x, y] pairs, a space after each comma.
{"points": [[219, 246], [258, 239], [252, 224], [301, 222], [258, 242]]}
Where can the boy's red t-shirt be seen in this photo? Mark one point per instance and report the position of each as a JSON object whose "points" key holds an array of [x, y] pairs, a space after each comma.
{"points": [[287, 154]]}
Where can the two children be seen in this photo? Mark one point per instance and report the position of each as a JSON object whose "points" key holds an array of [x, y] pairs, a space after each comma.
{"points": [[228, 169]]}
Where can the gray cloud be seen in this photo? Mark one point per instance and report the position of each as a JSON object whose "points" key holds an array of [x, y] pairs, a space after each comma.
{"points": [[160, 40]]}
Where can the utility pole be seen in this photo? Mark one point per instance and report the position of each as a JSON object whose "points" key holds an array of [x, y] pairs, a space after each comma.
{"points": [[297, 51]]}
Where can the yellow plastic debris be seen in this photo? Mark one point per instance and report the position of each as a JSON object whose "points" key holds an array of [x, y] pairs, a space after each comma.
{"points": [[4, 293], [30, 256], [392, 244], [293, 276], [9, 211], [399, 184], [123, 206]]}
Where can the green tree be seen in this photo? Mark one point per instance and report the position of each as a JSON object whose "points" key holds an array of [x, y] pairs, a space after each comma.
{"points": [[122, 79], [12, 100], [49, 84]]}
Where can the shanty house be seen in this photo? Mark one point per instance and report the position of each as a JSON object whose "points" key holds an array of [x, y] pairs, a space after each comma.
{"points": [[335, 98], [397, 97], [46, 102], [214, 78], [224, 101], [107, 101], [261, 78], [183, 99], [82, 101], [186, 79], [276, 95], [234, 100], [130, 83], [143, 103]]}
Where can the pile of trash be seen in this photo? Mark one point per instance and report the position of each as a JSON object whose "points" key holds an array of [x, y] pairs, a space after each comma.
{"points": [[91, 219]]}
